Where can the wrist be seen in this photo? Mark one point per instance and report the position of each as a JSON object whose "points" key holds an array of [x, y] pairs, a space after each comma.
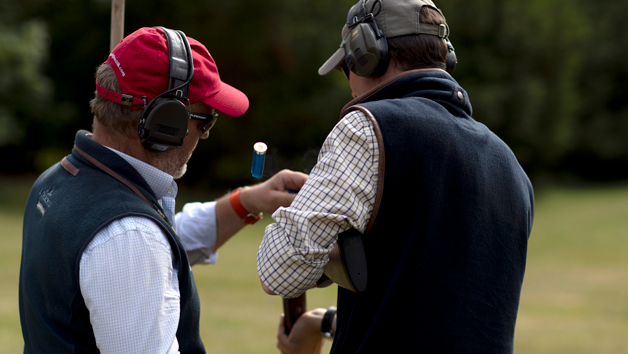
{"points": [[244, 214]]}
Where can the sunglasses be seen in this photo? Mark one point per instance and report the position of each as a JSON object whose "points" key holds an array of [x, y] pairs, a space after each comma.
{"points": [[208, 120]]}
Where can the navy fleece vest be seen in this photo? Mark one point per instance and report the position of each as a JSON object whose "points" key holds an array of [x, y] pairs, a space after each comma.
{"points": [[63, 213], [446, 254]]}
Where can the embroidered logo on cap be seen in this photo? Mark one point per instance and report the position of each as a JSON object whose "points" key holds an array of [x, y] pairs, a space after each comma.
{"points": [[113, 56]]}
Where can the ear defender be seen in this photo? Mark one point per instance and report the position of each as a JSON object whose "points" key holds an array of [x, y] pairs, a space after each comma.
{"points": [[367, 51], [366, 47], [164, 123]]}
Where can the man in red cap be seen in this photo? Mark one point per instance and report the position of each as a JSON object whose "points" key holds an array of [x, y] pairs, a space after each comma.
{"points": [[106, 262]]}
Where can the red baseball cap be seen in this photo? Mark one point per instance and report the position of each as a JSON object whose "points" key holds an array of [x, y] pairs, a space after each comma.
{"points": [[140, 62]]}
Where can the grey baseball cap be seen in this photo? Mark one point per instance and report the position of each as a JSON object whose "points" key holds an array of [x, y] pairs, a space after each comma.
{"points": [[395, 18]]}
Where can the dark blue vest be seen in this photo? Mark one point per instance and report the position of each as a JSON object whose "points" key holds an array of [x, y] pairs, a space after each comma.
{"points": [[447, 252], [63, 213]]}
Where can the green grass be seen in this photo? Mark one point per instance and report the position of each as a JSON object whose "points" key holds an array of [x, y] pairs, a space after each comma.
{"points": [[575, 292], [574, 297], [13, 195]]}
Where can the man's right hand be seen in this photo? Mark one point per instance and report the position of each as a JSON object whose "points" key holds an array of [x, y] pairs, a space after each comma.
{"points": [[266, 197], [305, 337]]}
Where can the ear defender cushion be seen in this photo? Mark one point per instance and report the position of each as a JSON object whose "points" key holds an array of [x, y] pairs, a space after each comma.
{"points": [[366, 54], [451, 57], [164, 127]]}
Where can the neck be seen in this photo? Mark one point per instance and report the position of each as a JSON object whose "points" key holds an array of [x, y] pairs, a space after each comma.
{"points": [[117, 141]]}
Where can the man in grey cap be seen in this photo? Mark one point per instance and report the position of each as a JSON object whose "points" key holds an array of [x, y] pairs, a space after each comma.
{"points": [[443, 205]]}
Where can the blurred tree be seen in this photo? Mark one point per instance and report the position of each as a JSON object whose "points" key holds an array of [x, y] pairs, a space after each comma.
{"points": [[270, 50], [601, 150], [25, 92], [45, 64], [22, 54], [520, 61], [546, 76]]}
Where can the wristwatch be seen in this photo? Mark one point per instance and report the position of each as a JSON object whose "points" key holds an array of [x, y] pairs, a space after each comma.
{"points": [[328, 318], [249, 218]]}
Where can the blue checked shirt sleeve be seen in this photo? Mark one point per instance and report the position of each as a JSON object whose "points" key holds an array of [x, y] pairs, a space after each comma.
{"points": [[196, 227], [339, 194]]}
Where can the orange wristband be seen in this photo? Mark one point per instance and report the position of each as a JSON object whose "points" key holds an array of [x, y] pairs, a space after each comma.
{"points": [[249, 218]]}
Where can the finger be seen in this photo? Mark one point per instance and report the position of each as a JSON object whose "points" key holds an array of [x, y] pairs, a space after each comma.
{"points": [[281, 331], [285, 199], [282, 349], [282, 338], [287, 179], [282, 346], [296, 180]]}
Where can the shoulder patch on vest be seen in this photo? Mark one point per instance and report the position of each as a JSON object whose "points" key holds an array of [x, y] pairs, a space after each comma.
{"points": [[45, 199], [69, 167]]}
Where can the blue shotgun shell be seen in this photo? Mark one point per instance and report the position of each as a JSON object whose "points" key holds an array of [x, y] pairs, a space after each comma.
{"points": [[259, 155]]}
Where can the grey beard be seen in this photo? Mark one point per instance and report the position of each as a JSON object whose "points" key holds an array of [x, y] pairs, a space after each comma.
{"points": [[174, 163]]}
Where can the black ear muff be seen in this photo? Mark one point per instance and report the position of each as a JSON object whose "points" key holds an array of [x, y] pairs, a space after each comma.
{"points": [[366, 54], [164, 123], [164, 126], [366, 47], [451, 57]]}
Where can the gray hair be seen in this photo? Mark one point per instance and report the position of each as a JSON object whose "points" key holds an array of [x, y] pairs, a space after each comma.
{"points": [[111, 115]]}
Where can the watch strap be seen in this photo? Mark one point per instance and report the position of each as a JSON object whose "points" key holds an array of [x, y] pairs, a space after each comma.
{"points": [[326, 329], [249, 218]]}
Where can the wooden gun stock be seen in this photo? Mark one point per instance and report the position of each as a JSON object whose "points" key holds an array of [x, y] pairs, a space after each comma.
{"points": [[346, 267], [293, 309]]}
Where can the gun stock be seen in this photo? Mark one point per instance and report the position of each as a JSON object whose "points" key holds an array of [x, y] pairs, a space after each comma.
{"points": [[347, 263], [293, 309], [346, 267]]}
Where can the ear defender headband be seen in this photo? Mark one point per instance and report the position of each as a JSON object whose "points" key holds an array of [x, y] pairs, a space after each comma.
{"points": [[164, 123], [366, 46]]}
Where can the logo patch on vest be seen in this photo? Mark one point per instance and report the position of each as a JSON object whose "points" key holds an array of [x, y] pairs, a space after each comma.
{"points": [[44, 200]]}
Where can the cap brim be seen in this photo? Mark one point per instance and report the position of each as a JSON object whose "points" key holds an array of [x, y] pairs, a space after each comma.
{"points": [[333, 62], [229, 101]]}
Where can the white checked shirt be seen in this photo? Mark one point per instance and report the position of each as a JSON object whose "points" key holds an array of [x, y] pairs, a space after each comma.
{"points": [[127, 277], [339, 194]]}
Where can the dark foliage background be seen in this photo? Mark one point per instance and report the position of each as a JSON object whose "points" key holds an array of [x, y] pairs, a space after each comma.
{"points": [[547, 76]]}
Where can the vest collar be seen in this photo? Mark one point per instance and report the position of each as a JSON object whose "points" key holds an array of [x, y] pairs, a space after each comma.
{"points": [[111, 160], [363, 97], [433, 84]]}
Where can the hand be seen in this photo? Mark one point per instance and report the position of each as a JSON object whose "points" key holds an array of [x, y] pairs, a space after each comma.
{"points": [[305, 336], [266, 197]]}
